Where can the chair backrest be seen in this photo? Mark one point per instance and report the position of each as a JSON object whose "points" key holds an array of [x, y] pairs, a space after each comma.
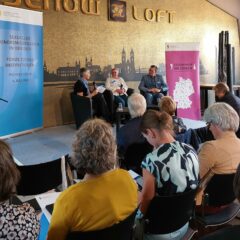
{"points": [[120, 231], [166, 214], [134, 155], [220, 190], [228, 233], [39, 178], [82, 108], [109, 98]]}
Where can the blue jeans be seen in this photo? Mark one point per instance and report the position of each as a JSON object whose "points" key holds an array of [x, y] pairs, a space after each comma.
{"points": [[121, 99], [151, 98]]}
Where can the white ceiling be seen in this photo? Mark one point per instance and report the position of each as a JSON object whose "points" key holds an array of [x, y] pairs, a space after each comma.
{"points": [[230, 6]]}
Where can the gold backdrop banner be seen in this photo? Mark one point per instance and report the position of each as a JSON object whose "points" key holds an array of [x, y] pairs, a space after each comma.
{"points": [[78, 35]]}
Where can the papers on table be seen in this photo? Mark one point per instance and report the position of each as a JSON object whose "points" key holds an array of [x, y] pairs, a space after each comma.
{"points": [[101, 89], [47, 199], [193, 124]]}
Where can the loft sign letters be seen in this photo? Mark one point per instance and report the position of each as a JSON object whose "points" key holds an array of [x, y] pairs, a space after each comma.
{"points": [[92, 7]]}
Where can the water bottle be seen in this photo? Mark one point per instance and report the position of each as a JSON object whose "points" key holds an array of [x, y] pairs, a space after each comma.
{"points": [[120, 107]]}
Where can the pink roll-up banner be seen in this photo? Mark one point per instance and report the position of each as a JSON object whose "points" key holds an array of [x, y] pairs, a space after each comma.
{"points": [[182, 73]]}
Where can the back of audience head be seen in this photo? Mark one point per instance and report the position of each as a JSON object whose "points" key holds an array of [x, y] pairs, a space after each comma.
{"points": [[159, 121], [9, 174], [137, 105], [223, 116], [94, 149], [168, 105], [221, 89]]}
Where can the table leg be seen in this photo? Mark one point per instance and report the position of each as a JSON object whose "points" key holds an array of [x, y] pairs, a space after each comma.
{"points": [[205, 98]]}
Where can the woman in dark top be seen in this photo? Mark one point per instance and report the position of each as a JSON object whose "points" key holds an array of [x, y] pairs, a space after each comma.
{"points": [[16, 221], [81, 88]]}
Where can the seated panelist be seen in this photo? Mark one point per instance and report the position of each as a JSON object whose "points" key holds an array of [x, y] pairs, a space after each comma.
{"points": [[152, 86], [82, 88], [118, 87]]}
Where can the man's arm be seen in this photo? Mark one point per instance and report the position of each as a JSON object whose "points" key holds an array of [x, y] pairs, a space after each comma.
{"points": [[80, 89], [141, 86], [109, 85], [164, 87], [124, 85]]}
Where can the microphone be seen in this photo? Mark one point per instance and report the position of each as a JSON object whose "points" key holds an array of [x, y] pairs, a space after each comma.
{"points": [[3, 100], [94, 85]]}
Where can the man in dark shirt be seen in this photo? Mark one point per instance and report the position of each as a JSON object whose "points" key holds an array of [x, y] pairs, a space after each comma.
{"points": [[81, 88], [152, 86], [222, 94], [130, 133]]}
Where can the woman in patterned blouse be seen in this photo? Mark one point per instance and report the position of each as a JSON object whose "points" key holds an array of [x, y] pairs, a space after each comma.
{"points": [[16, 221], [171, 168]]}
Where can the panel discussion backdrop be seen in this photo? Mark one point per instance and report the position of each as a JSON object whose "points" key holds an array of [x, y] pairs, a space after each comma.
{"points": [[21, 70], [182, 73]]}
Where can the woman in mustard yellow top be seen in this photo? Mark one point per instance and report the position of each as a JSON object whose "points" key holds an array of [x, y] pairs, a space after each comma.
{"points": [[106, 195]]}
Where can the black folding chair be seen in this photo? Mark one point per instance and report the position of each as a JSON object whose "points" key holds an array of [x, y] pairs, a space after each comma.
{"points": [[219, 192], [40, 178], [228, 233], [120, 231], [82, 108], [134, 155], [167, 214]]}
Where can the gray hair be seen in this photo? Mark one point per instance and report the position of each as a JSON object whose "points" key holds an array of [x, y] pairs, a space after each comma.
{"points": [[222, 115], [137, 105], [94, 149]]}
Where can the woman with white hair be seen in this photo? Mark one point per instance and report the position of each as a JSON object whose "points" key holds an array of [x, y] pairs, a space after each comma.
{"points": [[220, 156], [130, 133]]}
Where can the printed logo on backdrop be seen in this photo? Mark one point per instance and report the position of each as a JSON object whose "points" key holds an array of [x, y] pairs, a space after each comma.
{"points": [[117, 11]]}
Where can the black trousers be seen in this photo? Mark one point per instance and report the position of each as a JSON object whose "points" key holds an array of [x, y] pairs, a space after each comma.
{"points": [[100, 107]]}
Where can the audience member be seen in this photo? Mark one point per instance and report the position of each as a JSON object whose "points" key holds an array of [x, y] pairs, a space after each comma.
{"points": [[220, 156], [16, 221], [168, 105], [236, 183], [81, 88], [130, 133], [222, 94], [171, 168], [118, 87], [152, 86], [106, 195]]}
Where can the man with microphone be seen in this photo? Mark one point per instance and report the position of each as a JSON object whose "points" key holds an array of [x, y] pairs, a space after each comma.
{"points": [[152, 86]]}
